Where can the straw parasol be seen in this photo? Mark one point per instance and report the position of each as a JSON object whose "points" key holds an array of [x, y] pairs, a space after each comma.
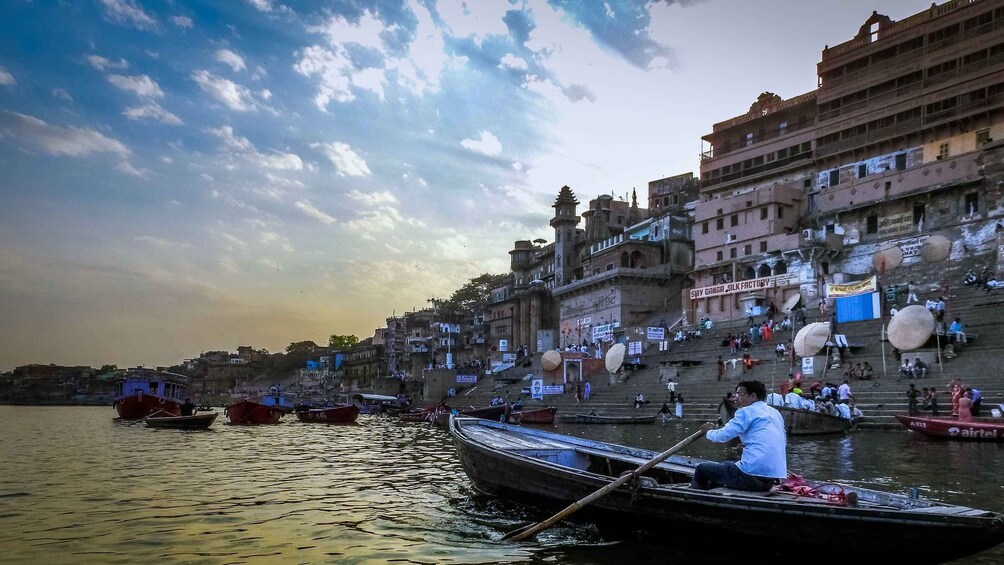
{"points": [[811, 339], [887, 259], [911, 327], [550, 360], [936, 249], [615, 356], [790, 303]]}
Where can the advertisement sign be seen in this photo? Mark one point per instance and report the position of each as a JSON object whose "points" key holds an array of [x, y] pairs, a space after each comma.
{"points": [[603, 332], [785, 279], [554, 389], [807, 365], [655, 334], [503, 345], [467, 379], [852, 289], [634, 348], [537, 389]]}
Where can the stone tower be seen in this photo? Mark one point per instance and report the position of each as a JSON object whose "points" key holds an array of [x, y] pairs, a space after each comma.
{"points": [[564, 221]]}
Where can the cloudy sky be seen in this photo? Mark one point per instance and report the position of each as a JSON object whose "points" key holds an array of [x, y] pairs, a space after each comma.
{"points": [[178, 177]]}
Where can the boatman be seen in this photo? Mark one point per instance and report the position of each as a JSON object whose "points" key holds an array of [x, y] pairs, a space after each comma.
{"points": [[187, 409], [761, 430]]}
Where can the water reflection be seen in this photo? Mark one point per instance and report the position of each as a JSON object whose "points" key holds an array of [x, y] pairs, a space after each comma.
{"points": [[77, 487]]}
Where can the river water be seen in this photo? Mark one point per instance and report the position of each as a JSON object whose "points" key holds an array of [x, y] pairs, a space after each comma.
{"points": [[78, 487]]}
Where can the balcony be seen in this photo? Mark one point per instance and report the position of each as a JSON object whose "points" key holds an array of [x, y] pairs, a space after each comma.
{"points": [[738, 146]]}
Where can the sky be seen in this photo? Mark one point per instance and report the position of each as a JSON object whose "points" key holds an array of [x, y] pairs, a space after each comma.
{"points": [[179, 176]]}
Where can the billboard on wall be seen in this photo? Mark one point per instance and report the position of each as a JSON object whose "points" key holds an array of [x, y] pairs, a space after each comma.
{"points": [[852, 289], [762, 283], [655, 334]]}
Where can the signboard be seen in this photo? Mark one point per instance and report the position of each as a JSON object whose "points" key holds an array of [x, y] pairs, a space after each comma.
{"points": [[509, 357], [807, 366], [467, 379], [655, 334], [785, 279], [503, 345], [634, 348], [554, 389], [895, 224], [604, 332], [537, 389], [852, 289], [911, 247]]}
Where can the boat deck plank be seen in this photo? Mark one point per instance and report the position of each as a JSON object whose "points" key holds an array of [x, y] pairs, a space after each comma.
{"points": [[505, 440]]}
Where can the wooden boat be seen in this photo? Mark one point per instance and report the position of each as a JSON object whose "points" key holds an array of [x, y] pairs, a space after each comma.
{"points": [[193, 422], [600, 419], [141, 392], [535, 416], [554, 470], [496, 413], [377, 403], [247, 412], [802, 422], [979, 429], [344, 414], [418, 414]]}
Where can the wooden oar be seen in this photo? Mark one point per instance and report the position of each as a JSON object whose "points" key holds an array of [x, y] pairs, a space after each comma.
{"points": [[532, 529]]}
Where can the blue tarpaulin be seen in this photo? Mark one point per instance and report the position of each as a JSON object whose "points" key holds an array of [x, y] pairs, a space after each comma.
{"points": [[856, 308]]}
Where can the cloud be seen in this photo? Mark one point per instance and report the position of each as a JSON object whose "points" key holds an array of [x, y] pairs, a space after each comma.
{"points": [[309, 209], [141, 85], [577, 92], [61, 94], [510, 61], [54, 140], [152, 111], [102, 64], [242, 147], [6, 78], [181, 21], [261, 5], [488, 144], [381, 198], [347, 161], [332, 67], [231, 94], [228, 57], [126, 12], [162, 243]]}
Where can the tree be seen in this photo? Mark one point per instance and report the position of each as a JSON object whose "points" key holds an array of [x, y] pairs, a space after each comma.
{"points": [[108, 369], [342, 342], [466, 299]]}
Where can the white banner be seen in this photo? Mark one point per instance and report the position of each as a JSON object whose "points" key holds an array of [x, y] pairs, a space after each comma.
{"points": [[554, 389], [467, 379], [807, 366], [634, 348], [655, 334], [785, 279], [537, 389]]}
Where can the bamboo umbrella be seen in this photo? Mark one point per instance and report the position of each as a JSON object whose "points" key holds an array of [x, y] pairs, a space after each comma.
{"points": [[811, 339], [937, 248], [911, 327], [550, 360]]}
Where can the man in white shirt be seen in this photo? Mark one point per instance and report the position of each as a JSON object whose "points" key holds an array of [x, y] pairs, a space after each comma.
{"points": [[761, 430], [844, 393]]}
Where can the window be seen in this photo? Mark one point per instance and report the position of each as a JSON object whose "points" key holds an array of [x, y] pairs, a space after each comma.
{"points": [[834, 177], [943, 151], [901, 161], [749, 138], [763, 247], [748, 249], [732, 253], [704, 227], [918, 214], [871, 225], [674, 199], [862, 170], [972, 203], [763, 213], [982, 137], [780, 212], [807, 184], [720, 224], [783, 127], [734, 220], [719, 255]]}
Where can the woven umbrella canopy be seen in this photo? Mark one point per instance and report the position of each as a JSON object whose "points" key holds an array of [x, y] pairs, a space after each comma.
{"points": [[936, 249], [887, 259], [811, 339], [911, 327], [615, 356], [550, 360], [790, 303]]}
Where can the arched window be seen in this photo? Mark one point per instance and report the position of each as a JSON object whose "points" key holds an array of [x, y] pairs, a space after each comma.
{"points": [[748, 273], [764, 270], [780, 268], [625, 260]]}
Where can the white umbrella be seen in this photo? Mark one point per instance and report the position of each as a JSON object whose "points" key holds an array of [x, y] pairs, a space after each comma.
{"points": [[811, 339], [615, 356], [887, 259], [790, 303], [550, 360], [937, 248], [911, 327]]}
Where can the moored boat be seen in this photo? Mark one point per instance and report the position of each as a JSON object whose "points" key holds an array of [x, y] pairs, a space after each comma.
{"points": [[141, 392], [247, 412], [376, 403], [496, 413], [535, 416], [802, 422], [418, 414], [978, 429], [555, 470], [345, 414], [600, 419], [193, 422]]}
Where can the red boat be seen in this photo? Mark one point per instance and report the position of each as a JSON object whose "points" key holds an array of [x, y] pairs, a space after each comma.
{"points": [[144, 392], [251, 413], [536, 416], [345, 414], [979, 429], [418, 414], [442, 418]]}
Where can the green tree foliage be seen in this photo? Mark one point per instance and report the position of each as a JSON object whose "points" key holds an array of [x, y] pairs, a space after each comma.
{"points": [[108, 369], [342, 342], [466, 299]]}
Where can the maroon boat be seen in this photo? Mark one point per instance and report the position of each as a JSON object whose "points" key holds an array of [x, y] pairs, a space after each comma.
{"points": [[442, 419], [535, 416], [144, 392], [247, 412], [978, 429], [419, 414], [345, 414]]}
